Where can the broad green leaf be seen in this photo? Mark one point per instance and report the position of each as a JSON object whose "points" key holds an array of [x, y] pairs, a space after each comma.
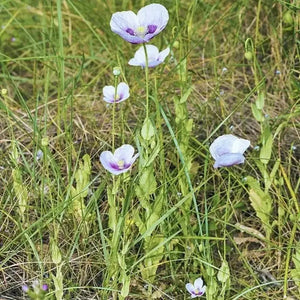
{"points": [[266, 149], [20, 191], [260, 101], [147, 130], [58, 284], [224, 272], [257, 113], [147, 181], [224, 277], [55, 252], [126, 284], [150, 265], [262, 204], [138, 221]]}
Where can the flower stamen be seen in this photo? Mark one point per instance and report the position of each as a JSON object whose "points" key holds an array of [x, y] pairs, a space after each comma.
{"points": [[141, 31], [121, 164]]}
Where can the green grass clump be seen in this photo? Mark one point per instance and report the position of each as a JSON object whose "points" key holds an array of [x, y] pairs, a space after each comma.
{"points": [[64, 220]]}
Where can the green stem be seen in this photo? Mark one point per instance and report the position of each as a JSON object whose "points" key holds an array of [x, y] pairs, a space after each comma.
{"points": [[113, 113], [147, 81]]}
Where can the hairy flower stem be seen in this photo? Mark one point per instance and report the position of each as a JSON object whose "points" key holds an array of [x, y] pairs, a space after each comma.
{"points": [[147, 81], [113, 114]]}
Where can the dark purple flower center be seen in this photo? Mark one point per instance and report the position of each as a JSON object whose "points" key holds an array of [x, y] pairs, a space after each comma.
{"points": [[142, 30], [119, 97], [130, 31], [151, 28], [120, 166], [197, 293]]}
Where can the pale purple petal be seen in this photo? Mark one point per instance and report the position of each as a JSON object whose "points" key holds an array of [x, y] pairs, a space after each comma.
{"points": [[198, 284], [109, 94], [125, 24], [122, 92], [124, 153], [108, 162], [154, 63], [154, 17], [240, 146], [152, 53], [163, 54], [119, 162], [154, 57], [229, 159], [135, 62], [137, 29], [228, 143], [134, 158], [190, 288], [139, 58], [203, 289]]}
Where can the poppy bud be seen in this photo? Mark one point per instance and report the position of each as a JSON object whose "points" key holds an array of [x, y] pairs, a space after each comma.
{"points": [[116, 71], [248, 55], [176, 45]]}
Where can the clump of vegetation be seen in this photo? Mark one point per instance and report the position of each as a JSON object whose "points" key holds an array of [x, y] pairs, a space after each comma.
{"points": [[149, 150]]}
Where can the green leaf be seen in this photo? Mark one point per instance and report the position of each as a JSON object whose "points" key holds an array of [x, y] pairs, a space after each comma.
{"points": [[147, 181], [125, 286], [147, 130], [260, 101], [138, 221], [224, 272], [262, 204], [58, 284], [151, 263], [20, 191], [186, 95], [55, 252], [153, 155], [266, 149], [257, 113]]}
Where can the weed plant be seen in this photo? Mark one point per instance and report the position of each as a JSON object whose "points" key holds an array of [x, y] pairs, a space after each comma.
{"points": [[76, 231]]}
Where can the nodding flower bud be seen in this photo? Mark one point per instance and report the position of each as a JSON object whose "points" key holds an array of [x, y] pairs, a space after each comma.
{"points": [[4, 92], [248, 55], [116, 71]]}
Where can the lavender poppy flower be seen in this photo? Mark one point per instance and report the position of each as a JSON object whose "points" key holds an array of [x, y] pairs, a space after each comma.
{"points": [[136, 29], [121, 95], [228, 150], [119, 162], [197, 289], [154, 56]]}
